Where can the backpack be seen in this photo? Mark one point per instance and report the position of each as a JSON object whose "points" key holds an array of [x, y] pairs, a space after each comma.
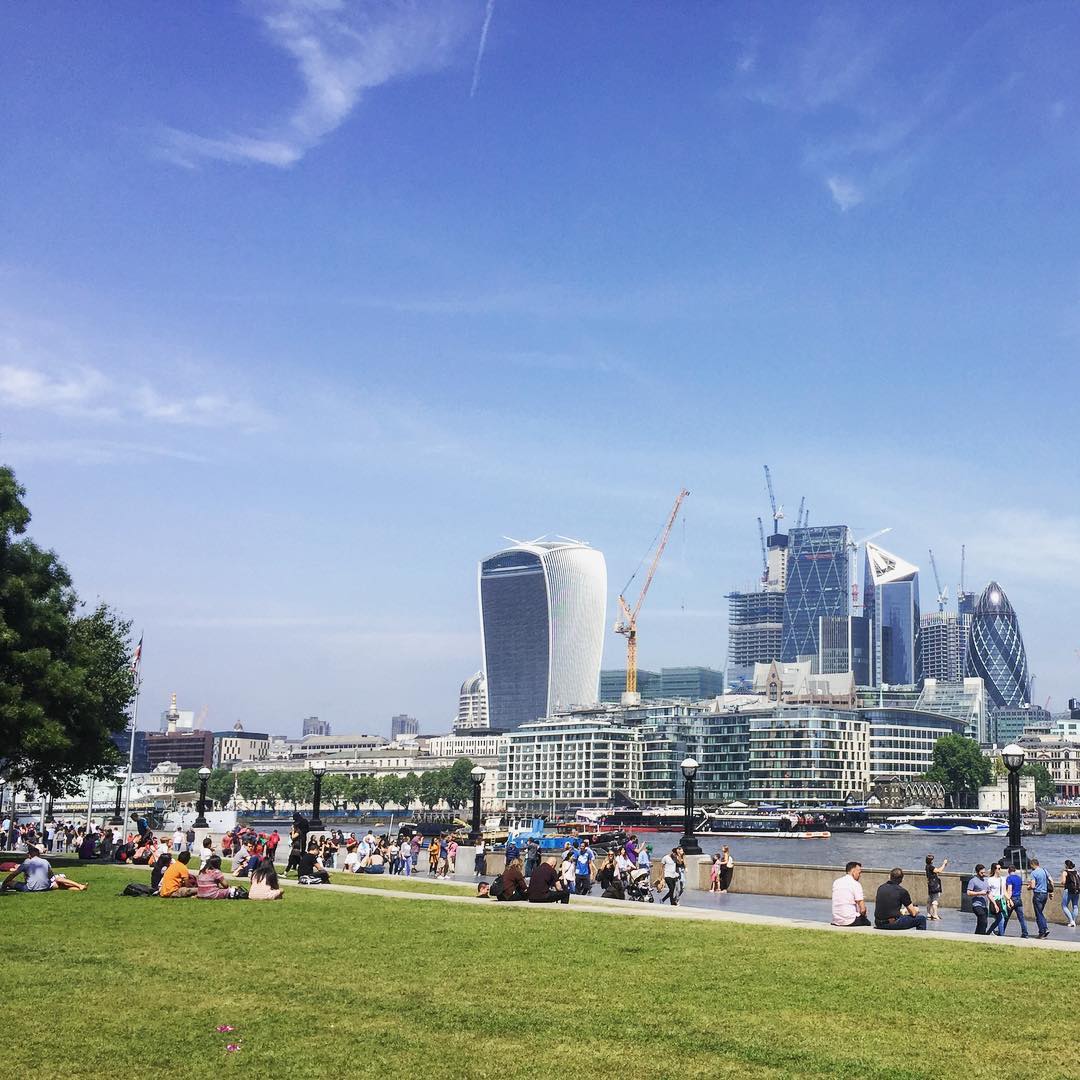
{"points": [[137, 888], [1072, 881], [497, 887]]}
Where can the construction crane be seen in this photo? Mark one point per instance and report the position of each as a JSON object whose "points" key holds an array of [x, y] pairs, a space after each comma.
{"points": [[777, 511], [764, 553], [627, 622], [799, 515], [942, 594]]}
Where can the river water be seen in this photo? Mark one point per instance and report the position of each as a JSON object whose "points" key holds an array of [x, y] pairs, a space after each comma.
{"points": [[880, 851]]}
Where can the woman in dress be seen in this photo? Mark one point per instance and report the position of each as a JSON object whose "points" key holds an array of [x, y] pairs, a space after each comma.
{"points": [[933, 887], [714, 874], [727, 869]]}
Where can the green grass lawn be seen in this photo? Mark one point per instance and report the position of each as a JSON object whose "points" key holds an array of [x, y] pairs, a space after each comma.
{"points": [[325, 984]]}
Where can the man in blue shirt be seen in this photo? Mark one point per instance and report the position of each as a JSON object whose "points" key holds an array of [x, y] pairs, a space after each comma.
{"points": [[1014, 885], [1039, 884], [583, 869]]}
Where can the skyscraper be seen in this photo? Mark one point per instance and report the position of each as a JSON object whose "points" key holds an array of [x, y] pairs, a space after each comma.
{"points": [[891, 602], [472, 713], [996, 650], [314, 726], [817, 586], [844, 645], [944, 645], [755, 629], [403, 724], [542, 617]]}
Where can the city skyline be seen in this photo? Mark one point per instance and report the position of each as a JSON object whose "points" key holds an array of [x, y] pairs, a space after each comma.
{"points": [[279, 365]]}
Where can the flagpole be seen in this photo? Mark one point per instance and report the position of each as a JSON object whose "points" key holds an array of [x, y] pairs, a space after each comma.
{"points": [[131, 747]]}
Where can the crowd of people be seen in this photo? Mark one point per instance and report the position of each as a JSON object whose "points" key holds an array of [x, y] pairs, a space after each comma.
{"points": [[995, 897]]}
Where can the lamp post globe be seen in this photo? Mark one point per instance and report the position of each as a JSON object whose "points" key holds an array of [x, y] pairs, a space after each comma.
{"points": [[478, 773], [1013, 756], [318, 770], [200, 818], [689, 844]]}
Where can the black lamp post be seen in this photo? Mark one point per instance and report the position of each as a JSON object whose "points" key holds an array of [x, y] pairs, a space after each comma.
{"points": [[477, 775], [689, 842], [200, 820], [116, 819], [1015, 855], [318, 768]]}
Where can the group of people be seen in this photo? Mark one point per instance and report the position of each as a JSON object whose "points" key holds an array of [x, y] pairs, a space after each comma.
{"points": [[995, 896]]}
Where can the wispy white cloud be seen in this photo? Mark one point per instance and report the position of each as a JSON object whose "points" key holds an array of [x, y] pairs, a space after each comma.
{"points": [[341, 50], [489, 11], [93, 451], [845, 193]]}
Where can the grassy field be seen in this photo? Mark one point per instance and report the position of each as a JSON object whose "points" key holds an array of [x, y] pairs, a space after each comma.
{"points": [[326, 984]]}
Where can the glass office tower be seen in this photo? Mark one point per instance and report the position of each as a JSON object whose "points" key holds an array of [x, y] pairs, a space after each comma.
{"points": [[817, 586], [891, 602], [996, 651], [542, 612]]}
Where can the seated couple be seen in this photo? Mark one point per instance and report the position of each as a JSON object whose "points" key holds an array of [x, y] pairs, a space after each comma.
{"points": [[542, 887], [893, 907], [211, 884], [38, 875]]}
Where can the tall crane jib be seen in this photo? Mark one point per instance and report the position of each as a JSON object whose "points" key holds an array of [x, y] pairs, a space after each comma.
{"points": [[777, 512], [764, 552], [626, 624], [942, 593]]}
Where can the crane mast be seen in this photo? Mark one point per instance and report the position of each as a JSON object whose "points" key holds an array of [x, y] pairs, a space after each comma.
{"points": [[626, 624], [942, 594], [764, 553]]}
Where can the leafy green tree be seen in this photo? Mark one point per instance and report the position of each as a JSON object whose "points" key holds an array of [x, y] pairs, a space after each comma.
{"points": [[220, 786], [395, 790], [188, 780], [431, 788], [359, 791], [961, 768], [335, 789], [1045, 788], [303, 788], [248, 784], [381, 792], [410, 789], [65, 682], [269, 789], [457, 783]]}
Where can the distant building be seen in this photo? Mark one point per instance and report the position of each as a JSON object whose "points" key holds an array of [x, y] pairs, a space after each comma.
{"points": [[403, 726], [964, 700], [818, 585], [316, 745], [796, 684], [687, 683], [755, 630], [472, 714], [996, 653], [140, 759], [844, 645], [891, 604], [188, 749], [1062, 761], [314, 726], [944, 645], [239, 745], [1008, 725], [180, 719], [542, 614]]}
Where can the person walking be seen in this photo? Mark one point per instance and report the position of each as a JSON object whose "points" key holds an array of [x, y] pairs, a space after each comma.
{"points": [[1070, 892], [479, 858], [933, 887], [1014, 901], [979, 891], [178, 840], [996, 900], [583, 869], [1040, 885], [669, 867]]}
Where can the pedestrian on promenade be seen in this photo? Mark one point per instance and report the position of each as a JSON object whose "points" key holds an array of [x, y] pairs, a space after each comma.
{"points": [[893, 909], [566, 869], [189, 839], [1014, 901], [414, 849], [1040, 885], [848, 902], [272, 842], [979, 891], [933, 887], [996, 900], [532, 855], [444, 855], [669, 868], [479, 858], [714, 874], [1070, 892], [727, 869], [451, 856], [583, 869], [433, 856]]}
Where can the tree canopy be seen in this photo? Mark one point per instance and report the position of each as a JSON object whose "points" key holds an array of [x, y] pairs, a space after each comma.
{"points": [[961, 768], [1045, 788], [65, 681]]}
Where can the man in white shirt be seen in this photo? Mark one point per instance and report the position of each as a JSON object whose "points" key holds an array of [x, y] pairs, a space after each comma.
{"points": [[178, 840], [848, 903]]}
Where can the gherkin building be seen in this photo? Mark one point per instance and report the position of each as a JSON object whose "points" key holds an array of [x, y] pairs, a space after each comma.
{"points": [[996, 651]]}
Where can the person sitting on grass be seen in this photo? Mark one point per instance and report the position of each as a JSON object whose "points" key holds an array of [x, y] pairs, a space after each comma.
{"points": [[264, 882], [246, 861], [162, 864], [514, 885], [310, 871], [178, 881], [38, 874], [211, 884], [545, 886]]}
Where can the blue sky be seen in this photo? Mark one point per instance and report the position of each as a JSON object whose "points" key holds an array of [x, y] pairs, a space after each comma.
{"points": [[304, 305]]}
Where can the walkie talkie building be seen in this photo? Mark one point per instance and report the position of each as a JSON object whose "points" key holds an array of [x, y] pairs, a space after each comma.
{"points": [[996, 650], [542, 617]]}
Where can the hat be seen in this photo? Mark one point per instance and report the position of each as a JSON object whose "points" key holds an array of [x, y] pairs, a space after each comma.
{"points": [[35, 845]]}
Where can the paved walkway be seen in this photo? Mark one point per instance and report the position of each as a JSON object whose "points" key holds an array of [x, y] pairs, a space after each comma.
{"points": [[790, 912]]}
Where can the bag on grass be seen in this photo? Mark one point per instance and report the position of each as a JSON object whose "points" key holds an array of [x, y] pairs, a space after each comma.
{"points": [[497, 887], [137, 888], [307, 879], [239, 893]]}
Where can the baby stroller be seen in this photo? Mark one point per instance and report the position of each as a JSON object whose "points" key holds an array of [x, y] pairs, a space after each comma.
{"points": [[636, 886]]}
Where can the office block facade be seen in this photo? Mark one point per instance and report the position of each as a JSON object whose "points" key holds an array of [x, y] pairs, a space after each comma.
{"points": [[818, 586], [755, 631], [996, 651]]}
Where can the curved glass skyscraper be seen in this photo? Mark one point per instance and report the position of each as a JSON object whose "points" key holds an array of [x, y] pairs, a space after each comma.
{"points": [[542, 617], [996, 650]]}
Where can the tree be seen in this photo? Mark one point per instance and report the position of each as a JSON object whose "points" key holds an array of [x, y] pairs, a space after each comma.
{"points": [[960, 767], [380, 791], [1045, 788], [247, 784], [335, 789], [430, 788], [268, 789], [458, 783], [303, 787], [188, 780], [359, 790], [395, 790], [220, 785], [65, 677]]}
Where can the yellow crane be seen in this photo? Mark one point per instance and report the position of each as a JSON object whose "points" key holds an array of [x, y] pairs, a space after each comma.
{"points": [[627, 621]]}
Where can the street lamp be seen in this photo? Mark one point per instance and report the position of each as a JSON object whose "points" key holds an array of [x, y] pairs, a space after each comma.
{"points": [[1013, 756], [477, 775], [200, 820], [116, 819], [689, 842], [318, 769]]}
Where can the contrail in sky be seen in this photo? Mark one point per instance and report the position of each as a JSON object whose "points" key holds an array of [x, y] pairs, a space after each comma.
{"points": [[483, 43]]}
